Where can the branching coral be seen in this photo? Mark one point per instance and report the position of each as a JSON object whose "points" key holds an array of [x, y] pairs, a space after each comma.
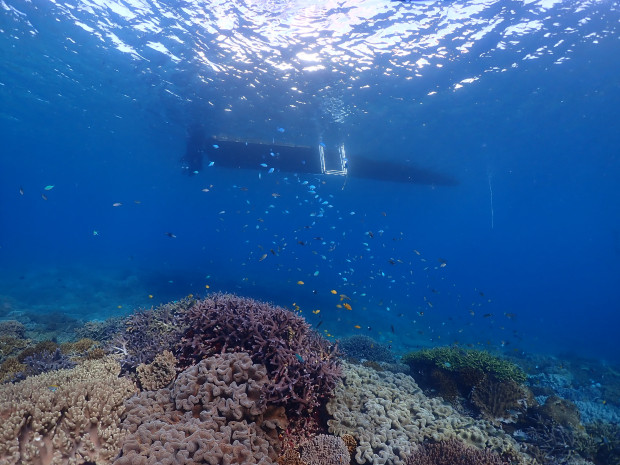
{"points": [[501, 401], [65, 416], [457, 359], [10, 345], [42, 362], [302, 366], [12, 328], [148, 332], [453, 452], [362, 347]]}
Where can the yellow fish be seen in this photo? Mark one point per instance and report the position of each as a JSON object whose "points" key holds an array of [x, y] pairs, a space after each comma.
{"points": [[301, 283], [357, 327], [347, 306], [333, 291], [150, 296], [338, 306], [316, 312]]}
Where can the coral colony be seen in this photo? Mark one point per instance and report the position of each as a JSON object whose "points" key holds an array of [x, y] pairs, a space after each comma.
{"points": [[230, 380]]}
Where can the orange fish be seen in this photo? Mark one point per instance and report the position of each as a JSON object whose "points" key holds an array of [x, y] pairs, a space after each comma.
{"points": [[333, 291], [347, 306], [357, 327], [301, 283]]}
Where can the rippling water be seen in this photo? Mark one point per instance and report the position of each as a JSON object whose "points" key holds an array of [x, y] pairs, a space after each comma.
{"points": [[336, 60]]}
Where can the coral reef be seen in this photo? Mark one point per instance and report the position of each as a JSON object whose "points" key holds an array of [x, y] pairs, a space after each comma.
{"points": [[12, 328], [501, 401], [325, 449], [39, 347], [453, 452], [148, 332], [290, 457], [351, 444], [159, 373], [78, 347], [360, 347], [387, 412], [460, 360], [604, 444], [213, 413], [65, 416], [11, 345], [100, 331], [45, 361], [560, 411], [302, 366], [10, 368]]}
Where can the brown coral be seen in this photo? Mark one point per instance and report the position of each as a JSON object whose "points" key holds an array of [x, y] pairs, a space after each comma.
{"points": [[325, 449], [351, 443], [561, 411], [11, 345], [159, 373], [453, 452], [66, 416], [12, 328], [290, 457], [501, 400], [9, 368]]}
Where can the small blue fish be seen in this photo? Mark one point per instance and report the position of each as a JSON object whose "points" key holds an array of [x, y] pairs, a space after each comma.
{"points": [[280, 129], [215, 146], [264, 165], [300, 358], [270, 170], [212, 163]]}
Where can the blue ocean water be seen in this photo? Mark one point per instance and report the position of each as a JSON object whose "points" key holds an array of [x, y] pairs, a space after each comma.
{"points": [[517, 101]]}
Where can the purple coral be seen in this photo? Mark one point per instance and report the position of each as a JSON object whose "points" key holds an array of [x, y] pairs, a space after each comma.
{"points": [[45, 361], [302, 366], [147, 333]]}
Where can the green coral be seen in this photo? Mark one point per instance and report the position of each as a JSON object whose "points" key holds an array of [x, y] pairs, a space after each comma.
{"points": [[461, 360]]}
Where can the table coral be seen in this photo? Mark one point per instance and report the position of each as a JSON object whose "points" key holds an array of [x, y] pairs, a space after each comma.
{"points": [[213, 413], [386, 413], [65, 416]]}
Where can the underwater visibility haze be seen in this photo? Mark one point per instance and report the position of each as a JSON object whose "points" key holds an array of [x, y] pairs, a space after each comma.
{"points": [[514, 103], [321, 198], [487, 215]]}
